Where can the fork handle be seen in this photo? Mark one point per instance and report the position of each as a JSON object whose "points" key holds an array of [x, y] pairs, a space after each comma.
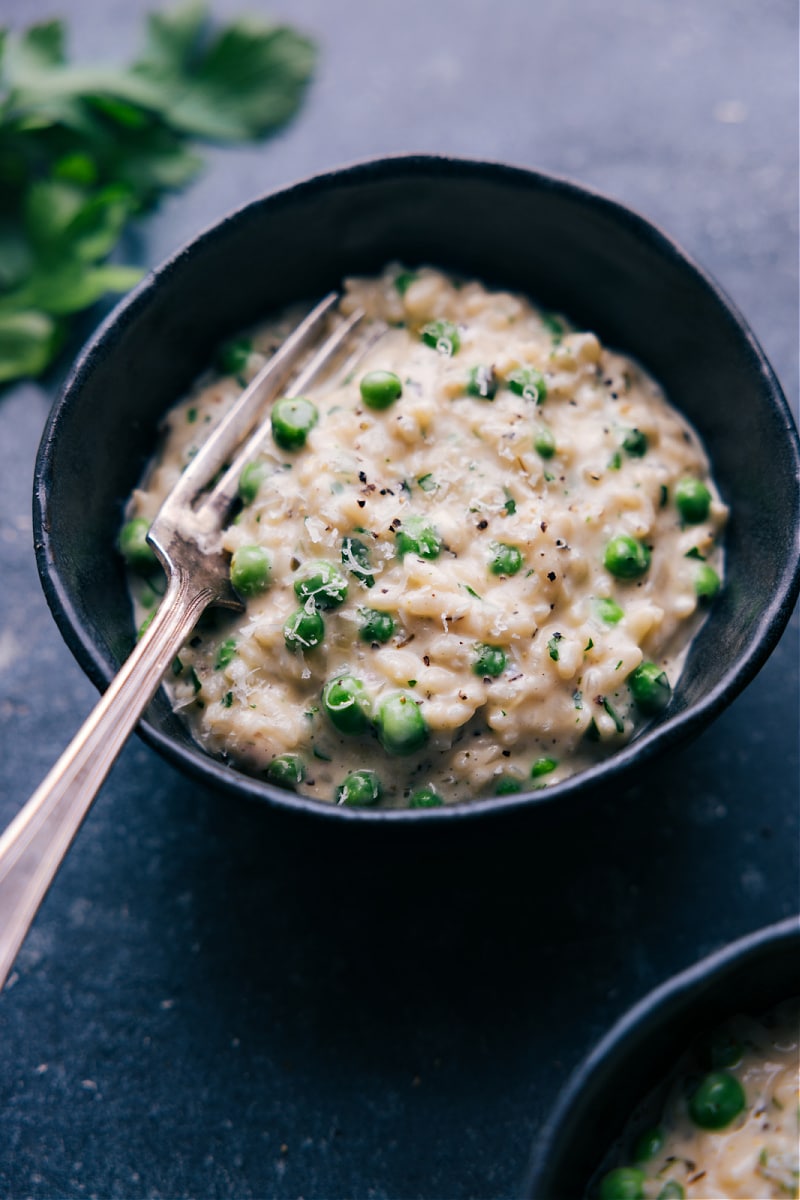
{"points": [[34, 844]]}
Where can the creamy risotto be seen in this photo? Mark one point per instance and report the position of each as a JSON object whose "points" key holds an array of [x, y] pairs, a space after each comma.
{"points": [[471, 566], [731, 1131]]}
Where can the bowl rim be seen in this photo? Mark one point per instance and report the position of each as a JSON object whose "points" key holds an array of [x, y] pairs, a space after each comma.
{"points": [[625, 1033], [676, 728]]}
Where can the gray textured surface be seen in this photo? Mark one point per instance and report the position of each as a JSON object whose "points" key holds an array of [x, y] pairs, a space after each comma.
{"points": [[215, 1002]]}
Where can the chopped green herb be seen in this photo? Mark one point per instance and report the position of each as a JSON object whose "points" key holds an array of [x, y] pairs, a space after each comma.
{"points": [[225, 653], [191, 416], [227, 700], [589, 645], [615, 462], [619, 725], [195, 680], [695, 553], [554, 327], [442, 336], [471, 591], [528, 383], [481, 383], [510, 505], [177, 665], [427, 483], [552, 646]]}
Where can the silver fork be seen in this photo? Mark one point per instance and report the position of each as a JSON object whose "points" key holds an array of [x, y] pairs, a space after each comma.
{"points": [[183, 536]]}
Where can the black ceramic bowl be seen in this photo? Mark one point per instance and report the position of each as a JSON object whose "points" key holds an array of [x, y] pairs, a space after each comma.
{"points": [[569, 249], [752, 976]]}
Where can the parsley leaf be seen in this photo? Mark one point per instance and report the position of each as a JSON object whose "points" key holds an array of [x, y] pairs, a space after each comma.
{"points": [[233, 86], [86, 149]]}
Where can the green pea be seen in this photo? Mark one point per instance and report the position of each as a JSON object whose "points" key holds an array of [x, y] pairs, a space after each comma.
{"points": [[543, 442], [225, 653], [418, 536], [648, 1144], [379, 389], [293, 418], [232, 356], [505, 560], [442, 336], [623, 1183], [347, 704], [359, 790], [402, 728], [250, 570], [250, 481], [489, 660], [286, 771], [134, 547], [528, 383], [706, 582], [322, 582], [717, 1100], [635, 443], [355, 556], [482, 383], [693, 500], [672, 1190], [304, 629], [608, 610], [425, 797], [650, 688], [507, 785], [543, 766], [625, 557], [376, 626]]}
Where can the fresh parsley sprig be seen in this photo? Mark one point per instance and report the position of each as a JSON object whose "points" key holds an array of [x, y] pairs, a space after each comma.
{"points": [[84, 149]]}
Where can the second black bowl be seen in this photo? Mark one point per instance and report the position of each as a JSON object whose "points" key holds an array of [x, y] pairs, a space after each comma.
{"points": [[569, 249], [751, 976]]}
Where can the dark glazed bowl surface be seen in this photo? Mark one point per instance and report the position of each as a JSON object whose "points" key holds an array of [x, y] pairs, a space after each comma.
{"points": [[751, 975], [570, 250]]}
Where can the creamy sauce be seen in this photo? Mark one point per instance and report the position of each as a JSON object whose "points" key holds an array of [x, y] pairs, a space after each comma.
{"points": [[585, 450]]}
